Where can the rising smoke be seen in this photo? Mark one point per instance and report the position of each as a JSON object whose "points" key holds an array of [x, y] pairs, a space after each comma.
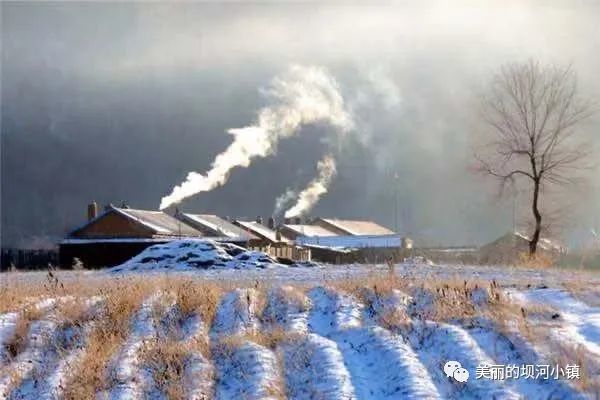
{"points": [[315, 189], [282, 201], [302, 95]]}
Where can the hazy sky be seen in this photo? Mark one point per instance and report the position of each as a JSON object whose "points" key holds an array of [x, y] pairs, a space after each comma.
{"points": [[118, 101]]}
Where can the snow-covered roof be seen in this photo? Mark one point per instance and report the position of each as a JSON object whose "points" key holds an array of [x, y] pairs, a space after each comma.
{"points": [[309, 230], [261, 230], [349, 241], [216, 225], [159, 222], [543, 243], [357, 227]]}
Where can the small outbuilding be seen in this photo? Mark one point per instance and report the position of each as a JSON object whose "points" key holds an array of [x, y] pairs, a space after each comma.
{"points": [[512, 247]]}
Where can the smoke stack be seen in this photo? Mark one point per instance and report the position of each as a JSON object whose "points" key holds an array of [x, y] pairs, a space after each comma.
{"points": [[271, 223], [298, 220], [288, 221], [92, 210], [259, 220]]}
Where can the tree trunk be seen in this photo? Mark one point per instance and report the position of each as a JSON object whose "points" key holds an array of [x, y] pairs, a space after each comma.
{"points": [[538, 220]]}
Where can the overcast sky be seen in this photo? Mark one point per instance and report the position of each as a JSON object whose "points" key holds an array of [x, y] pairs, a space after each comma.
{"points": [[117, 102]]}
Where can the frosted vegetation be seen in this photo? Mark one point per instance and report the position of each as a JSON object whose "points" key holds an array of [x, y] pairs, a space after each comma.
{"points": [[382, 336]]}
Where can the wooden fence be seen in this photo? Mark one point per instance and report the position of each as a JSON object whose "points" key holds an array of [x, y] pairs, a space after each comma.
{"points": [[27, 259]]}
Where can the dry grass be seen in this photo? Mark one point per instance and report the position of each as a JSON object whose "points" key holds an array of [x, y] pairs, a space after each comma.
{"points": [[382, 284], [26, 316], [167, 360], [538, 261], [111, 330], [226, 346], [192, 297], [452, 300]]}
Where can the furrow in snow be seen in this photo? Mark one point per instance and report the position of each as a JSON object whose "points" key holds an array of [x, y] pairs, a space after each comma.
{"points": [[332, 311], [198, 374], [126, 378], [8, 324], [436, 344], [580, 323], [287, 309], [172, 358], [236, 313], [314, 369], [198, 379], [246, 371], [505, 351], [382, 366], [34, 357], [64, 351]]}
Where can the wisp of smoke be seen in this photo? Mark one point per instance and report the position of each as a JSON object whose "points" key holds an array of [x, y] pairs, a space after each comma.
{"points": [[282, 201], [302, 95], [315, 189]]}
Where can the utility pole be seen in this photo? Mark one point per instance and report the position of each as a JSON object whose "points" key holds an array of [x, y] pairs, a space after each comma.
{"points": [[396, 201]]}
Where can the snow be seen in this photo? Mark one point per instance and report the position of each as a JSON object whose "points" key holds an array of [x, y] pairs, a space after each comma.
{"points": [[382, 366], [579, 323], [315, 369], [127, 380], [236, 314], [437, 343], [8, 323], [352, 242], [248, 371], [336, 345], [507, 350], [197, 254], [287, 308], [332, 311]]}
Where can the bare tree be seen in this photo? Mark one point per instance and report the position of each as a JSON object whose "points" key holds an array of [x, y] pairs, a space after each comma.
{"points": [[533, 112]]}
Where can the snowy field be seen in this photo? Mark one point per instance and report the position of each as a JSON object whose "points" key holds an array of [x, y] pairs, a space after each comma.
{"points": [[332, 332]]}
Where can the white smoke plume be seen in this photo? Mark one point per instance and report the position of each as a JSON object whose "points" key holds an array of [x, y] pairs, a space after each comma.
{"points": [[283, 200], [315, 189], [302, 95]]}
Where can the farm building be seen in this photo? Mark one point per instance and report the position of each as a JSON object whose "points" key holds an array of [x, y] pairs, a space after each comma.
{"points": [[119, 233], [343, 241], [272, 241]]}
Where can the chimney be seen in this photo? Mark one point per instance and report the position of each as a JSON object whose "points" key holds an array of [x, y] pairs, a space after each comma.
{"points": [[298, 221], [259, 220], [288, 221], [92, 210], [271, 223]]}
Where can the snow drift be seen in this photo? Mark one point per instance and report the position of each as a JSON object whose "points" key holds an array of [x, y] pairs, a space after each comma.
{"points": [[193, 254]]}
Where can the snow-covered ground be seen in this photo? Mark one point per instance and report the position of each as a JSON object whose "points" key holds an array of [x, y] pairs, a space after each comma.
{"points": [[299, 335]]}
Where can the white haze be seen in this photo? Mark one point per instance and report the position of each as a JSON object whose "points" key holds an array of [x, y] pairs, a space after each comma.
{"points": [[315, 189], [303, 95]]}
